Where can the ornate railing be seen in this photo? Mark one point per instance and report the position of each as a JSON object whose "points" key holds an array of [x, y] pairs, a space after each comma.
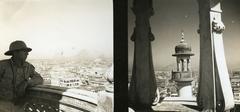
{"points": [[45, 98]]}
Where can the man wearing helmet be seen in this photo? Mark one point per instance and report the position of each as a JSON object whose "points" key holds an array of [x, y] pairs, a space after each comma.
{"points": [[15, 76]]}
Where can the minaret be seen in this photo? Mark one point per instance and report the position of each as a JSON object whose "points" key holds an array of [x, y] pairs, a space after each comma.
{"points": [[183, 74]]}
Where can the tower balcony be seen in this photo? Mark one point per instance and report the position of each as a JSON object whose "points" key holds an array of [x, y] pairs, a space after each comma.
{"points": [[45, 98], [182, 76]]}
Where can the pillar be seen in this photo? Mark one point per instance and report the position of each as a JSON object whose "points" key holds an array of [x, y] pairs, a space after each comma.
{"points": [[184, 64], [214, 91], [178, 64], [189, 64], [143, 82]]}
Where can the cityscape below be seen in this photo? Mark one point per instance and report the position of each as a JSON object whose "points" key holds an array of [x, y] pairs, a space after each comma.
{"points": [[166, 84], [87, 73]]}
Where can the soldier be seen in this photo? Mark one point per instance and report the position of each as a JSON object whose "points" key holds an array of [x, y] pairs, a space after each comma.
{"points": [[15, 76]]}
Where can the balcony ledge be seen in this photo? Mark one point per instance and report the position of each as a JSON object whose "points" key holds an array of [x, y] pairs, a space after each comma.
{"points": [[46, 98]]}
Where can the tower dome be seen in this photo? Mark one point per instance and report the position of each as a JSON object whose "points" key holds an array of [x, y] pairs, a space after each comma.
{"points": [[182, 47]]}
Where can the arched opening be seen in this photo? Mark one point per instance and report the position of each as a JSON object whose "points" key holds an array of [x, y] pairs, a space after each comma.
{"points": [[177, 21]]}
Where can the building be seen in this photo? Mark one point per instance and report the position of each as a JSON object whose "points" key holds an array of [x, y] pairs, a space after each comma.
{"points": [[46, 81], [183, 75], [72, 82], [235, 82]]}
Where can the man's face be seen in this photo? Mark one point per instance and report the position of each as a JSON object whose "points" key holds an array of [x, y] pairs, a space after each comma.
{"points": [[21, 55]]}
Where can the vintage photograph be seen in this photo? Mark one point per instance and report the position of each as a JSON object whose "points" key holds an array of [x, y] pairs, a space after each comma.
{"points": [[56, 56], [183, 55]]}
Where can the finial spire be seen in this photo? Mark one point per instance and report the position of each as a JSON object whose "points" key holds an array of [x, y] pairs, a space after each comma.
{"points": [[182, 36]]}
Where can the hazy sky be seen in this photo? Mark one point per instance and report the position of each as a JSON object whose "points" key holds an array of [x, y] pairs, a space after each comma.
{"points": [[51, 27], [172, 16]]}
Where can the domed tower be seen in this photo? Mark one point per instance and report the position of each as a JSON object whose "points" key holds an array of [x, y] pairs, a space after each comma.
{"points": [[183, 75]]}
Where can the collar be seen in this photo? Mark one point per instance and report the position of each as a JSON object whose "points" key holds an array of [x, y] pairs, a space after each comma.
{"points": [[15, 64]]}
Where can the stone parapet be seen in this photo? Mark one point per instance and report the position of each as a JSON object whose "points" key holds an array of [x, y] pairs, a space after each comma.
{"points": [[182, 76], [57, 99]]}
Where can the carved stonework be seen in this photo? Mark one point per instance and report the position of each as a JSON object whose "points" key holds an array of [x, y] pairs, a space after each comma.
{"points": [[218, 26], [40, 106]]}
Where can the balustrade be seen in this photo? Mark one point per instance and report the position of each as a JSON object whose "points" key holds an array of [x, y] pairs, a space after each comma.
{"points": [[45, 98]]}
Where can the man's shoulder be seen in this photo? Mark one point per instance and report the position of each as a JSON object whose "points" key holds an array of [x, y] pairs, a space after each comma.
{"points": [[4, 62], [29, 64]]}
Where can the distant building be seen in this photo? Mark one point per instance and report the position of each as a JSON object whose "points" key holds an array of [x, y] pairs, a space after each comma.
{"points": [[162, 83], [235, 82], [46, 81], [61, 77], [73, 82], [183, 75]]}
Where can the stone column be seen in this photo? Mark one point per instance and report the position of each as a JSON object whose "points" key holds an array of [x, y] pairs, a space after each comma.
{"points": [[214, 91], [178, 64], [205, 98], [182, 63], [189, 64], [185, 64], [143, 82]]}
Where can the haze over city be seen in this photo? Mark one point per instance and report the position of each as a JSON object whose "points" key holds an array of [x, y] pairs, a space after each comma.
{"points": [[52, 27]]}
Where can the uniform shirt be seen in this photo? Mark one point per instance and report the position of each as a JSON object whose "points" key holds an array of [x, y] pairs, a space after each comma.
{"points": [[9, 85], [19, 71]]}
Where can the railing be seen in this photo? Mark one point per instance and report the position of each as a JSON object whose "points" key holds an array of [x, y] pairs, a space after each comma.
{"points": [[181, 76], [45, 98]]}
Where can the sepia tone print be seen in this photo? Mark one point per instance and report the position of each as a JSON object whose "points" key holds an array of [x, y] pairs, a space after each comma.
{"points": [[181, 55], [56, 56]]}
